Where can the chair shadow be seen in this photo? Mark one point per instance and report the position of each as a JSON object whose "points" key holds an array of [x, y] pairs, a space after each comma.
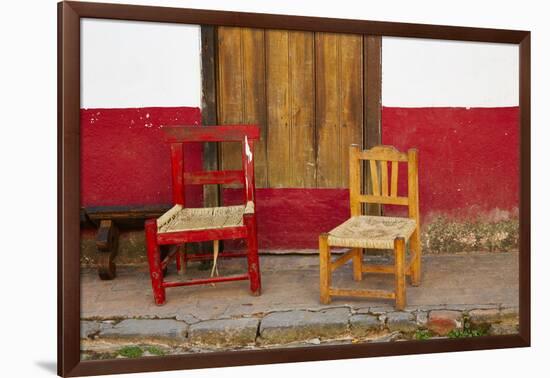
{"points": [[50, 366]]}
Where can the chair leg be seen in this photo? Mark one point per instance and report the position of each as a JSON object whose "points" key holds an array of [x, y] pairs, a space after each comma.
{"points": [[252, 255], [181, 259], [155, 268], [400, 294], [416, 266], [358, 264], [178, 260], [324, 268]]}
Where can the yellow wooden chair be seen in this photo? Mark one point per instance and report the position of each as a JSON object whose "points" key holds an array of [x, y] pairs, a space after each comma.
{"points": [[376, 232]]}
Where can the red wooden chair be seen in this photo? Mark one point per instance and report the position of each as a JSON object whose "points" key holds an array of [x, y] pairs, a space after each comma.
{"points": [[181, 225]]}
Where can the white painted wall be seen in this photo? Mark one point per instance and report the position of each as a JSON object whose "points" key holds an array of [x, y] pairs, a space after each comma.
{"points": [[138, 64], [127, 64], [426, 73]]}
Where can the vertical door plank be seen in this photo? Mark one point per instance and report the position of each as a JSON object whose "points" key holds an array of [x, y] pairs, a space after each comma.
{"points": [[290, 110], [339, 104], [327, 49], [230, 90], [352, 98], [302, 105], [241, 92], [255, 96], [278, 110]]}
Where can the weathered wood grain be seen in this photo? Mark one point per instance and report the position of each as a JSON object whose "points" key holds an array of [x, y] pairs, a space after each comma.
{"points": [[241, 92], [230, 90], [339, 104], [290, 108], [302, 137]]}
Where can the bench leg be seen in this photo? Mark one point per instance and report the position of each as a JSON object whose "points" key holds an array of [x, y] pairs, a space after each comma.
{"points": [[252, 255], [400, 294], [324, 268], [107, 246], [155, 268]]}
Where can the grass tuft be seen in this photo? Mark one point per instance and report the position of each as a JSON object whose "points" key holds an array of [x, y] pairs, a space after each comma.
{"points": [[130, 352]]}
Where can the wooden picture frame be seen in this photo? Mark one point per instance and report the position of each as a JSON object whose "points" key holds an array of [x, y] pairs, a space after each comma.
{"points": [[69, 15]]}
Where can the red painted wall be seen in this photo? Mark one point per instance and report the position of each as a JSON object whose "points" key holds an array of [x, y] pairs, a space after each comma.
{"points": [[468, 168], [124, 159], [468, 158], [294, 218]]}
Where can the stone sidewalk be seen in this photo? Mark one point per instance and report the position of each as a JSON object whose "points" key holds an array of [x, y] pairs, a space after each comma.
{"points": [[460, 294]]}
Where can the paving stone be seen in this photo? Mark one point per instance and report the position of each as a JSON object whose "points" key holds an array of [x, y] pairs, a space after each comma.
{"points": [[509, 314], [106, 324], [468, 307], [299, 325], [426, 308], [88, 328], [441, 322], [380, 310], [224, 332], [401, 321], [421, 318], [483, 317], [187, 318], [363, 310], [165, 329], [503, 329], [362, 325]]}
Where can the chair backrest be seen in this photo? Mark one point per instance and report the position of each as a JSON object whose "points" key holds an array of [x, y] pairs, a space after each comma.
{"points": [[178, 135], [384, 186]]}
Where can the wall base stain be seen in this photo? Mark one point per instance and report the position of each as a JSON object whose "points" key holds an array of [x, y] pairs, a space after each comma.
{"points": [[441, 236]]}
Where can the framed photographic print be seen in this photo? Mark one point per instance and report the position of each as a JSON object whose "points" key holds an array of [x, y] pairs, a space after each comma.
{"points": [[240, 188]]}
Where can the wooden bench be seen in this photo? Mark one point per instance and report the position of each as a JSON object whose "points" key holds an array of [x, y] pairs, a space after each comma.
{"points": [[108, 220]]}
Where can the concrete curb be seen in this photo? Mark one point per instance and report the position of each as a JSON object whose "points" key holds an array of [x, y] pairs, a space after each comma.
{"points": [[288, 328]]}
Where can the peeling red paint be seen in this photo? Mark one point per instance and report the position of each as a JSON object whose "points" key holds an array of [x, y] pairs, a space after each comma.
{"points": [[125, 159]]}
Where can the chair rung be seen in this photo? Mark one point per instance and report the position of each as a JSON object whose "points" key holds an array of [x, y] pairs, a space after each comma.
{"points": [[170, 256], [362, 293], [190, 236], [213, 177], [341, 260], [210, 256], [202, 281], [385, 269], [378, 269]]}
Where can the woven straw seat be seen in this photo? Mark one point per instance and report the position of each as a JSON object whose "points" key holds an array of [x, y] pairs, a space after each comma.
{"points": [[371, 232], [179, 219]]}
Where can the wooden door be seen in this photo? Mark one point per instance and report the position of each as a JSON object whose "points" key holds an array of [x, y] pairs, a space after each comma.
{"points": [[306, 91]]}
